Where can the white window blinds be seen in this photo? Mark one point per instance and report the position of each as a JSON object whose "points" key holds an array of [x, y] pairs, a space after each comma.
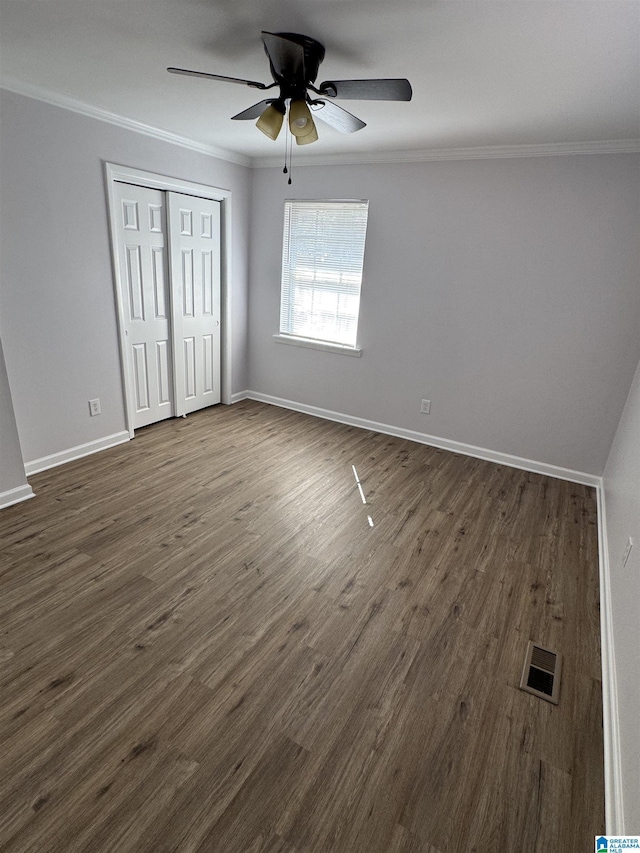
{"points": [[322, 258]]}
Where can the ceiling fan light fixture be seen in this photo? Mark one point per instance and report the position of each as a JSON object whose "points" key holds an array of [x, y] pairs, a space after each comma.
{"points": [[300, 121], [270, 121]]}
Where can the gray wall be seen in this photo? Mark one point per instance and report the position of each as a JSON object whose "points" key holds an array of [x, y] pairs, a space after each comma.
{"points": [[57, 305], [622, 499], [505, 291]]}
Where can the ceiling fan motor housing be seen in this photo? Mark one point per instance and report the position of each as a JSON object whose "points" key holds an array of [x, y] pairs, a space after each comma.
{"points": [[294, 83]]}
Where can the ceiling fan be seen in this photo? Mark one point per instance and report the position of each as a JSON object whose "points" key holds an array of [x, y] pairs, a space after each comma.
{"points": [[294, 61]]}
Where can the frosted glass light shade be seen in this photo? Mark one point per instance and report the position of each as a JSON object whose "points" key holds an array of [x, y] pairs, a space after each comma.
{"points": [[300, 121], [270, 122], [312, 136]]}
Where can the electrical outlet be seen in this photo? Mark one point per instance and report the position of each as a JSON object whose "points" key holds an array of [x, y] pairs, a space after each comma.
{"points": [[94, 407], [627, 551], [425, 407]]}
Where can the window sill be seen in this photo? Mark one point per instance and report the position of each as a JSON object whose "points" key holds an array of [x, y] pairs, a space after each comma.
{"points": [[319, 345]]}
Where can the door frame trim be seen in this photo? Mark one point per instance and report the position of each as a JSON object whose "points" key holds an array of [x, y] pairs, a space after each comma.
{"points": [[128, 175]]}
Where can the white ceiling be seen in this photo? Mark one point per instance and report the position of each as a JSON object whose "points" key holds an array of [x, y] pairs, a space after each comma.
{"points": [[485, 73]]}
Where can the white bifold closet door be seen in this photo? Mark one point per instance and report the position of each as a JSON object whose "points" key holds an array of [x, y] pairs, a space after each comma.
{"points": [[169, 278], [194, 228], [143, 279]]}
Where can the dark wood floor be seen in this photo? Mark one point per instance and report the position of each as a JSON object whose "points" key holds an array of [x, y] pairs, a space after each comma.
{"points": [[208, 642]]}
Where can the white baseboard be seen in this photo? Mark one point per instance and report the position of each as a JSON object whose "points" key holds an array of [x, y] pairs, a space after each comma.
{"points": [[46, 462], [614, 802], [431, 440], [239, 396], [16, 496]]}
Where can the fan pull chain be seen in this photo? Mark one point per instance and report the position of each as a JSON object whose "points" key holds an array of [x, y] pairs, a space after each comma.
{"points": [[288, 151]]}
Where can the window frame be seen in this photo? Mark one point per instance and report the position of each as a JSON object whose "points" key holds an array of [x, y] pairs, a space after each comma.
{"points": [[287, 283]]}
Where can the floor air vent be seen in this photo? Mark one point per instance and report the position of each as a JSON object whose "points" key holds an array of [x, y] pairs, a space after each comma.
{"points": [[541, 673]]}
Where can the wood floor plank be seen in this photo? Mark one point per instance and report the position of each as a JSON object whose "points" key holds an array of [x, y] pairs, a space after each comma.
{"points": [[254, 631]]}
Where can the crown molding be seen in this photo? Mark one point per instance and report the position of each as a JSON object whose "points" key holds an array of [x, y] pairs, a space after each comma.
{"points": [[489, 152], [58, 100]]}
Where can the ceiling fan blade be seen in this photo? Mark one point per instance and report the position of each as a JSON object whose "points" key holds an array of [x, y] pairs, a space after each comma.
{"points": [[253, 83], [336, 116], [253, 112], [285, 56], [394, 89]]}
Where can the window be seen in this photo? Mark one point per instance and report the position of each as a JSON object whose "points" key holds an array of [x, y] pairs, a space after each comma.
{"points": [[322, 258]]}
